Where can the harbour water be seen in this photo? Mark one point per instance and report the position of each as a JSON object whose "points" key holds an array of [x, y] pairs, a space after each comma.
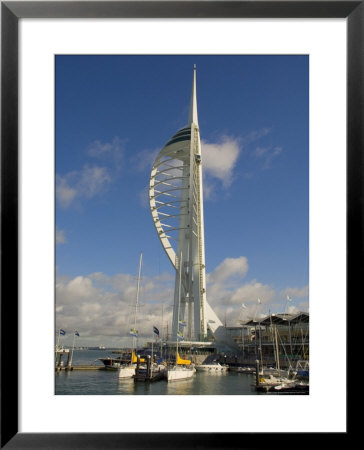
{"points": [[106, 382]]}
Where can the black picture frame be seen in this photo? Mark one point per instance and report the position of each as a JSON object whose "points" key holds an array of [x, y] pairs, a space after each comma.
{"points": [[11, 12]]}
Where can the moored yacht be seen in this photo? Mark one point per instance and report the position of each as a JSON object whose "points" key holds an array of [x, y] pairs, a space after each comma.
{"points": [[182, 370], [213, 367]]}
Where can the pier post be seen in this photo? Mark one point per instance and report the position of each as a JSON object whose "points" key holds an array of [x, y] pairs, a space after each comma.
{"points": [[69, 361], [59, 362], [257, 373], [149, 367]]}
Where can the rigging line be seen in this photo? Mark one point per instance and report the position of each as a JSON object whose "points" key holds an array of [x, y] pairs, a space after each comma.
{"points": [[177, 186], [155, 208], [166, 194], [168, 176], [284, 349], [166, 225], [170, 190], [170, 168], [172, 215], [157, 182], [163, 171], [175, 229], [169, 203]]}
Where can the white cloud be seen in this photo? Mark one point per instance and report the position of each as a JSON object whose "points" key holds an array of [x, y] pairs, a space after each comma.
{"points": [[261, 151], [294, 293], [92, 180], [65, 194], [267, 154], [143, 161], [255, 135], [226, 291], [102, 307], [85, 183], [229, 268], [250, 292], [219, 159], [60, 236], [113, 151]]}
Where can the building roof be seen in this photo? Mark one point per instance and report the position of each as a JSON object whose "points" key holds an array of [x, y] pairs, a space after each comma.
{"points": [[279, 319]]}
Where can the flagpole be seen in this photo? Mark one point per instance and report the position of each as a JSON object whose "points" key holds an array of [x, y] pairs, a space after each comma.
{"points": [[73, 346], [59, 334], [161, 338]]}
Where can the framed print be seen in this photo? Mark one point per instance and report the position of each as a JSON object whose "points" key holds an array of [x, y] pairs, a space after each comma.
{"points": [[53, 56]]}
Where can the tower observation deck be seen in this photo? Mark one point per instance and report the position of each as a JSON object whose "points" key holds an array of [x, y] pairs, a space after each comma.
{"points": [[176, 204]]}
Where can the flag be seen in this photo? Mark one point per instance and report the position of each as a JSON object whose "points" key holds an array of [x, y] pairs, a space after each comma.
{"points": [[180, 335], [259, 301], [243, 305], [77, 333], [182, 322], [62, 332], [288, 298], [156, 331], [133, 332]]}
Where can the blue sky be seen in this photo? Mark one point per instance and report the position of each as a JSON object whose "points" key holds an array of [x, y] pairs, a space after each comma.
{"points": [[113, 116]]}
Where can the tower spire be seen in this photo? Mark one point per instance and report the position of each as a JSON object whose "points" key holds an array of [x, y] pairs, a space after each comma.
{"points": [[192, 116]]}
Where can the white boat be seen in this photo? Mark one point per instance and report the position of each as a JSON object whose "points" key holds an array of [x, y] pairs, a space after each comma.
{"points": [[177, 372], [246, 369], [127, 371], [292, 387], [214, 367], [274, 372], [271, 383]]}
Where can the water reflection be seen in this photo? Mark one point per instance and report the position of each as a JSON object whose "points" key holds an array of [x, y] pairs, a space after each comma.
{"points": [[125, 385], [214, 372], [181, 387]]}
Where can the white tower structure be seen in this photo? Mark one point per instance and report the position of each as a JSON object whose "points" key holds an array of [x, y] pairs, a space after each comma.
{"points": [[176, 203]]}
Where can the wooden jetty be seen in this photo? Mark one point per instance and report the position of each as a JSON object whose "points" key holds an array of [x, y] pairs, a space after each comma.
{"points": [[81, 367], [148, 371]]}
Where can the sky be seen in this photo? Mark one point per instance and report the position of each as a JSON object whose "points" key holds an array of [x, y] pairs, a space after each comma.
{"points": [[114, 113]]}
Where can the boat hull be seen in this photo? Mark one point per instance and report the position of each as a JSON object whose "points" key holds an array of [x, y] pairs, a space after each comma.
{"points": [[178, 374], [211, 368], [127, 371]]}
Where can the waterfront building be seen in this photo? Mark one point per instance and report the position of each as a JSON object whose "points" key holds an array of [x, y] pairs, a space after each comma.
{"points": [[260, 338]]}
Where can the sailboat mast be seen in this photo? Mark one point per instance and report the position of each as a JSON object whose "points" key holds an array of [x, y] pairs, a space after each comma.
{"points": [[179, 300], [162, 331], [277, 349], [138, 288], [137, 303]]}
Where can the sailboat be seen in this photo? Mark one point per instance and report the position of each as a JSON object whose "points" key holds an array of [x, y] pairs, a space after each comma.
{"points": [[183, 369], [128, 370], [279, 380]]}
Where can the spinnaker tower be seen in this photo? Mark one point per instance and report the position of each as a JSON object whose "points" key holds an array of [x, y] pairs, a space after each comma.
{"points": [[176, 204]]}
